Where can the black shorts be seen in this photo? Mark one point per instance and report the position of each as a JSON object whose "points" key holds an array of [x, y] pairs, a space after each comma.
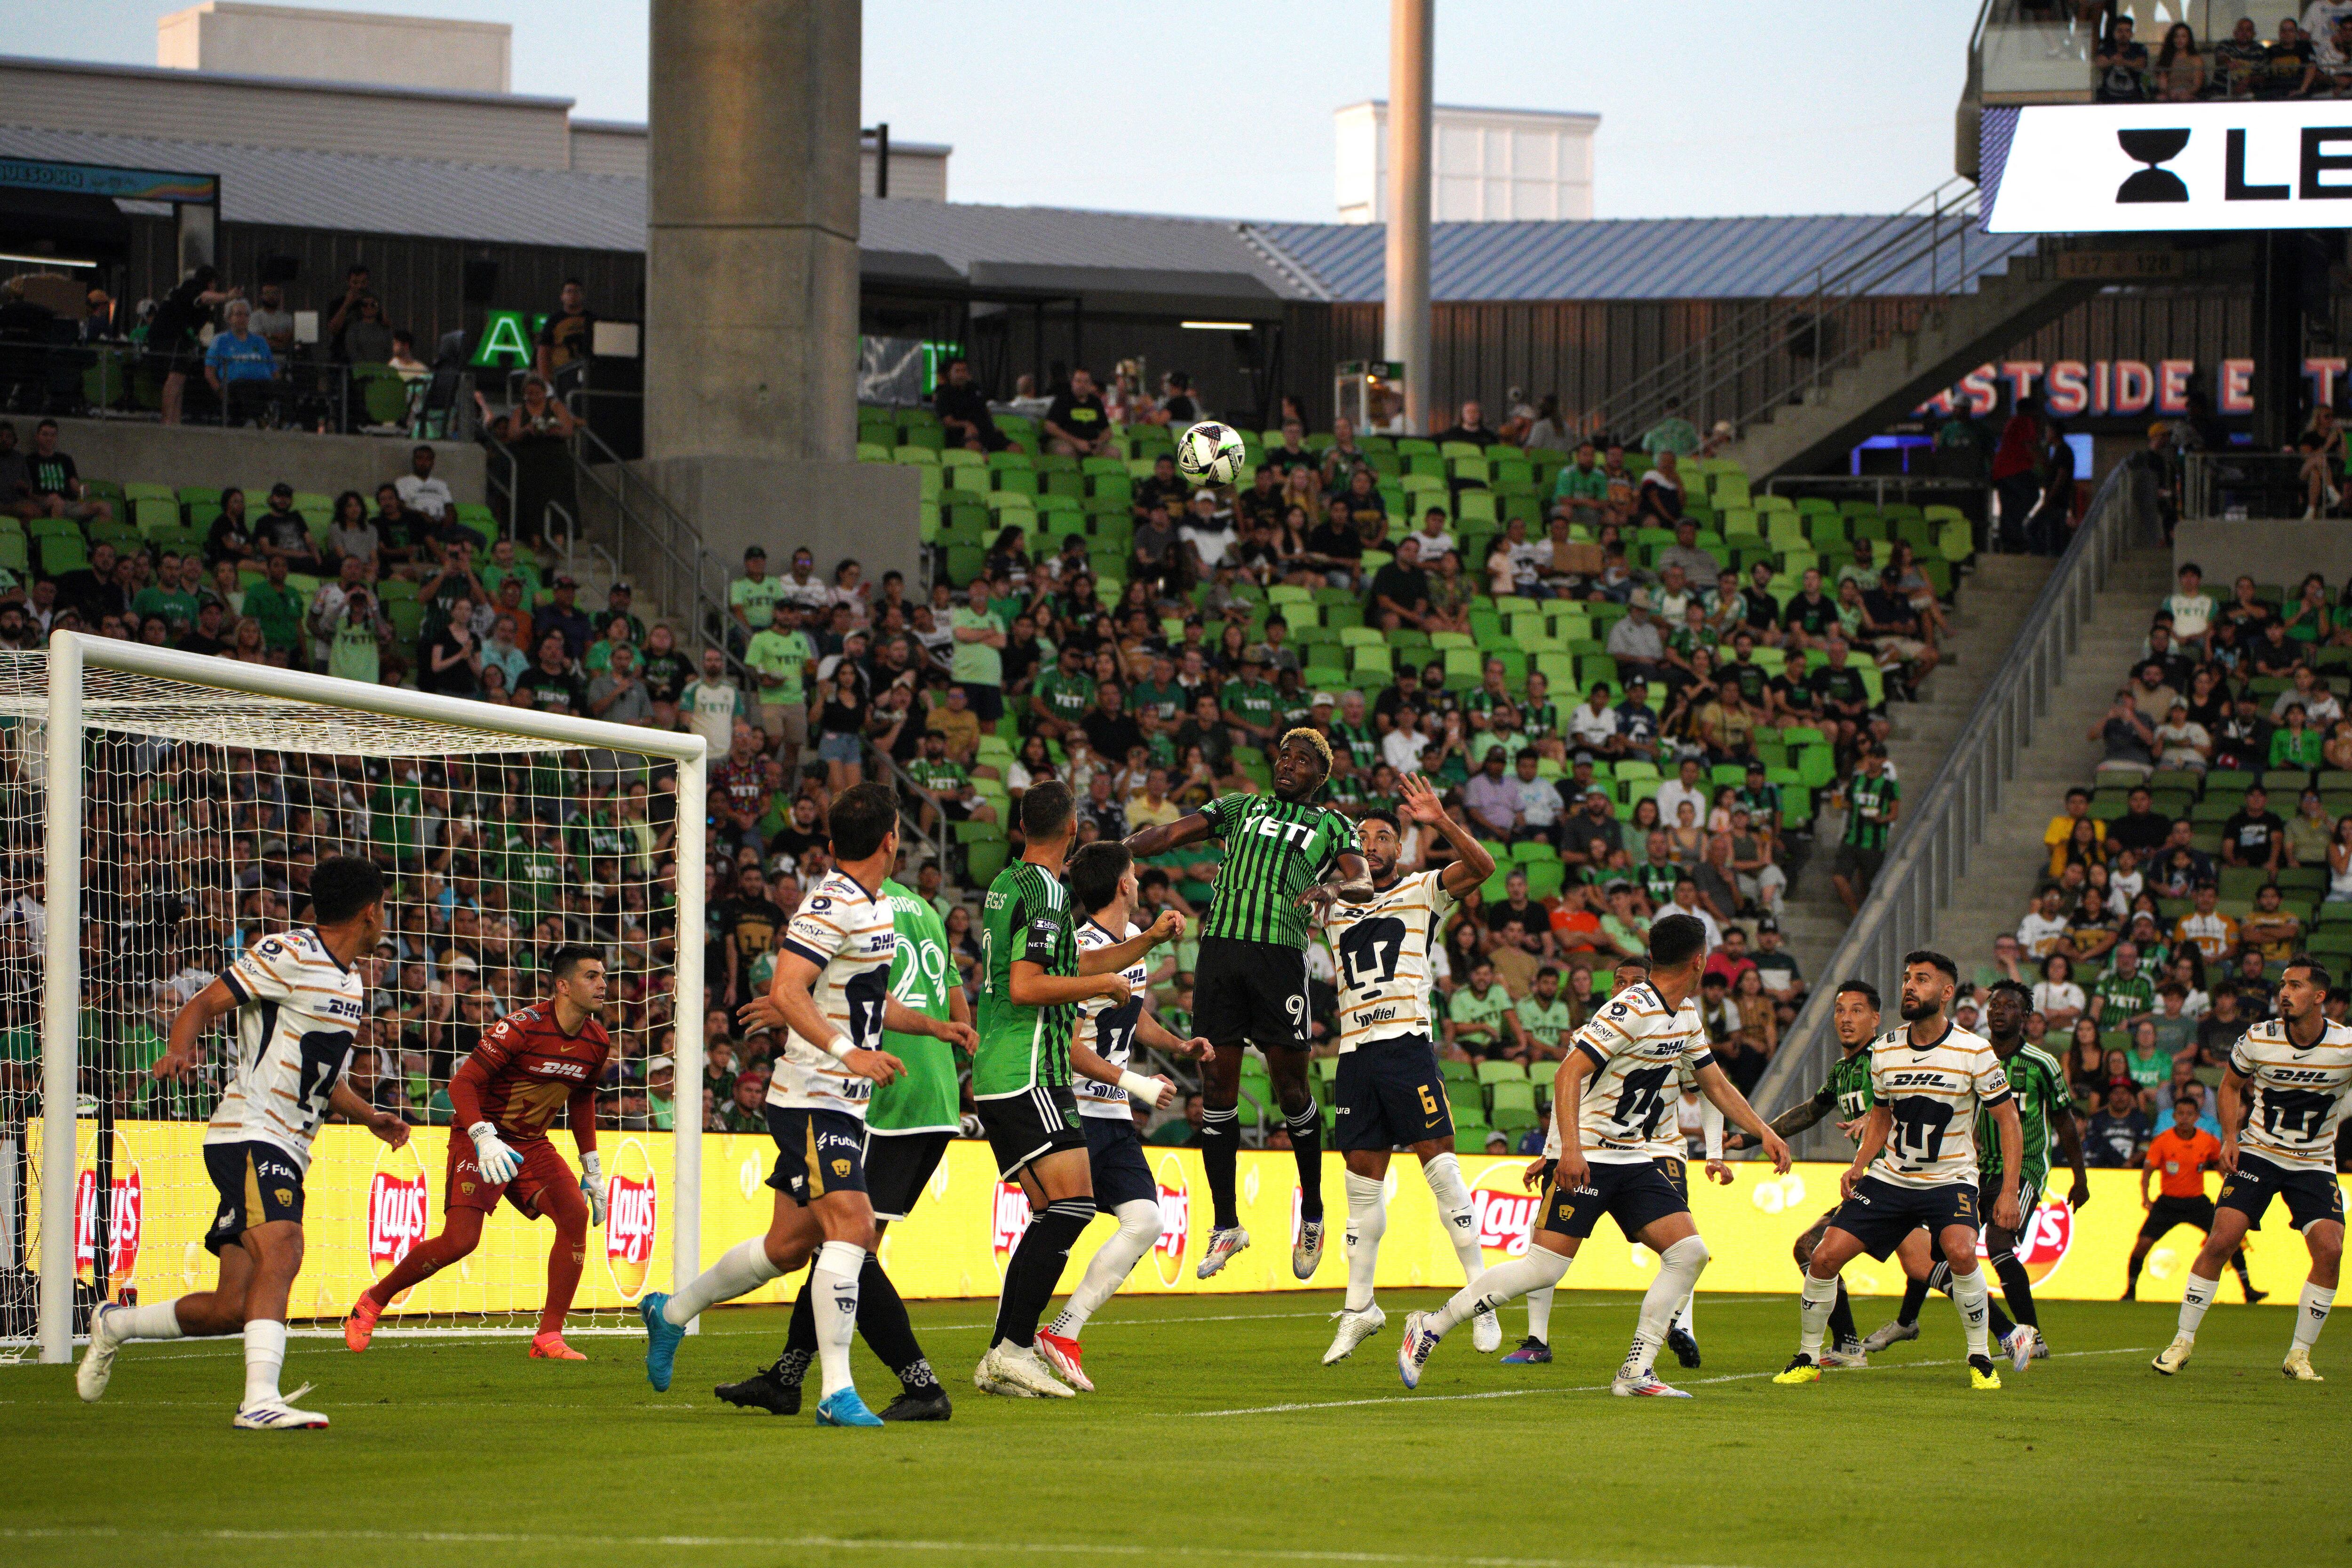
{"points": [[987, 702], [1880, 1213], [2311, 1195], [1026, 1127], [817, 1152], [1856, 864], [257, 1183], [2166, 1213], [1121, 1171], [898, 1167], [1633, 1196], [1390, 1093], [1253, 991]]}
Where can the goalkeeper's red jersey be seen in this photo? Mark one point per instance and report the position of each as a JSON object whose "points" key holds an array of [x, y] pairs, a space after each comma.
{"points": [[526, 1070]]}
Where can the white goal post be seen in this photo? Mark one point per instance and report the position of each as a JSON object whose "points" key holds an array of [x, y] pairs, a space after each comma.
{"points": [[144, 736]]}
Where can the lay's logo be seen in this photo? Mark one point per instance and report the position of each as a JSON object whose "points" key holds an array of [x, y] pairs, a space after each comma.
{"points": [[632, 1218], [397, 1215], [124, 1214], [1503, 1210], [1008, 1222], [2049, 1232], [1175, 1221]]}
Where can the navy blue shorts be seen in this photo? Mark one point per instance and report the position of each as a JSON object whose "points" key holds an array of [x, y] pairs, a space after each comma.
{"points": [[817, 1152], [2311, 1195], [1121, 1173], [1390, 1093], [1880, 1213], [257, 1183], [1635, 1196]]}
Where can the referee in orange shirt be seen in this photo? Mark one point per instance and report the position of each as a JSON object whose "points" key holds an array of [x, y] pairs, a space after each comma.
{"points": [[2180, 1155]]}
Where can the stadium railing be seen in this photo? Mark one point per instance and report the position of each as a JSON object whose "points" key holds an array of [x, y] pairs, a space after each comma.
{"points": [[1932, 851]]}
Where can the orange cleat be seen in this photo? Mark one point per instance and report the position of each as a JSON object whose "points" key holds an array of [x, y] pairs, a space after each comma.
{"points": [[359, 1327], [547, 1345]]}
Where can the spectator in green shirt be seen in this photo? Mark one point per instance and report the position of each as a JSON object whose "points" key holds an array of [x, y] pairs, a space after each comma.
{"points": [[1481, 1022], [1545, 1017], [1582, 490], [1248, 704], [1672, 433], [752, 598], [2123, 993], [167, 596], [783, 656], [279, 608], [1062, 695], [2296, 744], [977, 635]]}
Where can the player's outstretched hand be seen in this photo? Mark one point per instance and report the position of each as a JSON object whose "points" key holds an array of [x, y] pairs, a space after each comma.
{"points": [[1167, 928], [879, 1066], [1420, 802], [1852, 1130], [1318, 897], [2079, 1193], [1776, 1149], [388, 1129], [1196, 1050], [1113, 989], [497, 1160], [173, 1065], [1718, 1173], [761, 1015]]}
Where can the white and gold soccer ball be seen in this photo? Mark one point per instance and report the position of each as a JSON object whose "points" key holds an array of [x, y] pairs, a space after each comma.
{"points": [[1210, 453]]}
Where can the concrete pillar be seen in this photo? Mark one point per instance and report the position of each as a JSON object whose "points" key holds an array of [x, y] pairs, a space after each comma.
{"points": [[1405, 317], [751, 229]]}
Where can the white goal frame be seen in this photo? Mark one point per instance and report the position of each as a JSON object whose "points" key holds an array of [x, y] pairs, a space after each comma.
{"points": [[70, 654]]}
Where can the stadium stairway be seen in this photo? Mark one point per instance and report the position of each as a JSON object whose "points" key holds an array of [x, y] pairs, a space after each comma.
{"points": [[1992, 605], [2012, 855]]}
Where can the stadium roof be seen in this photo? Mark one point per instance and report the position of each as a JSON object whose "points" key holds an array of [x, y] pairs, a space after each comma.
{"points": [[1647, 259]]}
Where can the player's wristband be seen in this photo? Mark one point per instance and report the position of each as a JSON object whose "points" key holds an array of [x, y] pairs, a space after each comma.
{"points": [[839, 1047], [593, 1164], [481, 1129], [1143, 1089]]}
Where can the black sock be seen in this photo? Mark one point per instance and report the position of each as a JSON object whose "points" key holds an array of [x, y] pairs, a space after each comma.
{"points": [[882, 1323], [1220, 1143], [1036, 1267], [1842, 1320], [1306, 1147], [2237, 1262], [2132, 1267], [800, 1344], [1915, 1298], [1997, 1319], [2015, 1287]]}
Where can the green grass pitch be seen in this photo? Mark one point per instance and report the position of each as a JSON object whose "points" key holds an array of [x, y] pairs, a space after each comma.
{"points": [[1217, 1439]]}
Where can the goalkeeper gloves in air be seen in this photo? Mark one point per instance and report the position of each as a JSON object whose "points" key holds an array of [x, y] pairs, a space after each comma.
{"points": [[498, 1160], [592, 1185]]}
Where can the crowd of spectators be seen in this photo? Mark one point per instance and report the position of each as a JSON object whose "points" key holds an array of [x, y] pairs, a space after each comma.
{"points": [[2306, 57]]}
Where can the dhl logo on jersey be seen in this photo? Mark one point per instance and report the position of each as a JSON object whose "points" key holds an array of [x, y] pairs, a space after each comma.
{"points": [[633, 1211], [1175, 1220]]}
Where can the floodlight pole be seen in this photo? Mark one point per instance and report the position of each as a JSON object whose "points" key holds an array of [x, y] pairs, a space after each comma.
{"points": [[1405, 321]]}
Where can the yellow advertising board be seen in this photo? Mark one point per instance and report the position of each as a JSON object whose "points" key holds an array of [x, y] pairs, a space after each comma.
{"points": [[366, 1206]]}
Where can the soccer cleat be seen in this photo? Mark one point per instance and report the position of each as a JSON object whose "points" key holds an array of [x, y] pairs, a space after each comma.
{"points": [[1065, 1356], [278, 1416], [1802, 1368], [1685, 1348], [359, 1327], [1485, 1331], [2256, 1297], [1019, 1365], [931, 1406], [1418, 1343], [2174, 1356], [2297, 1365], [763, 1390], [1888, 1334], [1643, 1386], [1354, 1328], [98, 1361], [1982, 1374], [661, 1341], [1222, 1244], [2021, 1345], [548, 1346], [1532, 1351], [990, 1378], [1309, 1253], [1845, 1357], [842, 1408]]}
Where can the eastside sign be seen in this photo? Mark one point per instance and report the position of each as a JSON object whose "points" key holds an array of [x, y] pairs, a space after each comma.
{"points": [[2149, 167]]}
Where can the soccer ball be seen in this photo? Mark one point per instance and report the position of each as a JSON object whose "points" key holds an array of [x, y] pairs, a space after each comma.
{"points": [[1210, 453]]}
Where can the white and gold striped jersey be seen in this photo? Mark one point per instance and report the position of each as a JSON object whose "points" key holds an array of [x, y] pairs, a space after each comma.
{"points": [[298, 1012], [1105, 1030], [2294, 1098], [1382, 952], [851, 935], [1639, 1047], [1934, 1094]]}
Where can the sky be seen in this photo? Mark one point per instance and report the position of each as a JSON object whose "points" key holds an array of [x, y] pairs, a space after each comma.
{"points": [[1709, 108]]}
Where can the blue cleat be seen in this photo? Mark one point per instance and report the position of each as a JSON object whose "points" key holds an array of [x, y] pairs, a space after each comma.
{"points": [[1532, 1351], [661, 1341], [842, 1408]]}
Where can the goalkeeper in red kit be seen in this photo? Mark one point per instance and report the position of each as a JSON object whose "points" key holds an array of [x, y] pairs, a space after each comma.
{"points": [[535, 1064]]}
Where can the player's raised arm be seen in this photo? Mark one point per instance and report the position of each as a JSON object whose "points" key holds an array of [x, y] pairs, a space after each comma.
{"points": [[1114, 957], [1192, 827], [1153, 1092], [1798, 1117], [901, 1019], [1472, 863], [1726, 1097], [185, 1047]]}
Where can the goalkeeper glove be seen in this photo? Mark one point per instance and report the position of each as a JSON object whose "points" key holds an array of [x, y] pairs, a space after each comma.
{"points": [[592, 1185], [497, 1160]]}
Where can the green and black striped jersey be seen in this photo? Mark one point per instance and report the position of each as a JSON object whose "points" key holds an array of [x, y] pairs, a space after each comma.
{"points": [[1847, 1093], [1026, 916], [2039, 1084], [1275, 851]]}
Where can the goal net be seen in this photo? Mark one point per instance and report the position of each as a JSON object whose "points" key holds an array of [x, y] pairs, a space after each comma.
{"points": [[160, 812]]}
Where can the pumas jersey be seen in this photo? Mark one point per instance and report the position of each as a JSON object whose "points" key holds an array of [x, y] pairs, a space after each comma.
{"points": [[1638, 1047], [851, 936], [2294, 1098], [1934, 1096], [1105, 1030], [1382, 952], [298, 1012]]}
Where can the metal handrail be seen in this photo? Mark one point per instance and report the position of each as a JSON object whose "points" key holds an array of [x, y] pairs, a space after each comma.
{"points": [[1935, 841], [678, 539]]}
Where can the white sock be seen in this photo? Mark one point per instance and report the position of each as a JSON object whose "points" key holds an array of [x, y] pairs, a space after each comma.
{"points": [[155, 1320], [2194, 1299], [1678, 1272], [1816, 1302], [833, 1289], [265, 1356], [1368, 1221], [1139, 1227], [1454, 1211], [2312, 1315], [742, 1269], [1968, 1294], [1506, 1281], [1539, 1302]]}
